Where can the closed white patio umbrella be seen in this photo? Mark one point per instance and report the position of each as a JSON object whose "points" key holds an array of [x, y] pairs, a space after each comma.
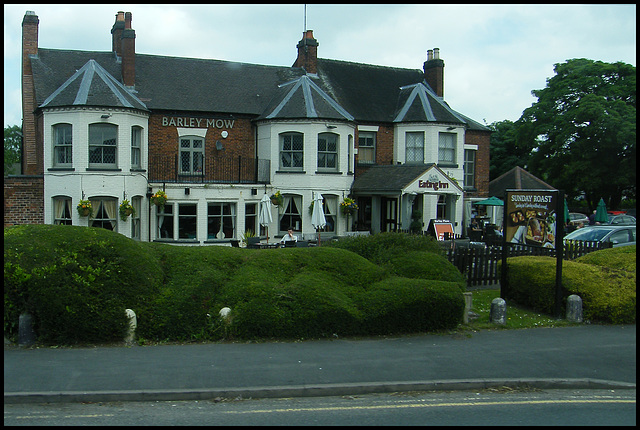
{"points": [[317, 216], [264, 216]]}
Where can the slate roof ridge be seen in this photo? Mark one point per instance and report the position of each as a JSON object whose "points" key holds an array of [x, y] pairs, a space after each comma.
{"points": [[213, 60], [87, 73], [375, 66]]}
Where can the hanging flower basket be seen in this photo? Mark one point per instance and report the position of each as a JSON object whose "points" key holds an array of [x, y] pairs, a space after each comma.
{"points": [[348, 206], [159, 198], [276, 199], [126, 209], [85, 208]]}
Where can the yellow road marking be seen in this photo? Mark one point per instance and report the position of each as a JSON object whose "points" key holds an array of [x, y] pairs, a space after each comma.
{"points": [[431, 405]]}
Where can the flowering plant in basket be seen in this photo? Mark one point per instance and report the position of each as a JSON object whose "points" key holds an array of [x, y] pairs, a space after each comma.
{"points": [[159, 198], [85, 208], [348, 206], [126, 209]]}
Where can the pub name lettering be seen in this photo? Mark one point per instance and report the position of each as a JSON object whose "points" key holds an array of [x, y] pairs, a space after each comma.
{"points": [[197, 122]]}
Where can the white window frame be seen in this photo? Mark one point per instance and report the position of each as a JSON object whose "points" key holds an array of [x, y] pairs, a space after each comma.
{"points": [[366, 150], [228, 213], [136, 147], [62, 210], [195, 153], [470, 168], [414, 147], [295, 156], [325, 154], [447, 148], [63, 143], [100, 141]]}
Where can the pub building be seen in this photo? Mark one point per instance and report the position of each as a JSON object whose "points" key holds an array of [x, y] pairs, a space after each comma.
{"points": [[216, 136]]}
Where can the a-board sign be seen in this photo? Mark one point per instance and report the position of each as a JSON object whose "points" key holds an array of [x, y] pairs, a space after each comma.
{"points": [[439, 227]]}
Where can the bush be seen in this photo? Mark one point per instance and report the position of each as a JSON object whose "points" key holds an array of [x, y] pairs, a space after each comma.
{"points": [[77, 282], [605, 280], [381, 247]]}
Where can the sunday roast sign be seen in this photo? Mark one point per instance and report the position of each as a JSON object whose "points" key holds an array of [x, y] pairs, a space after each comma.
{"points": [[531, 217]]}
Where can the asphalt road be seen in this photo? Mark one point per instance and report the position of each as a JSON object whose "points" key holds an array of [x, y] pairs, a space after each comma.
{"points": [[588, 356]]}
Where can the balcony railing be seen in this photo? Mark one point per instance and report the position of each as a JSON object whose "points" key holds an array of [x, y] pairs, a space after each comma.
{"points": [[220, 170]]}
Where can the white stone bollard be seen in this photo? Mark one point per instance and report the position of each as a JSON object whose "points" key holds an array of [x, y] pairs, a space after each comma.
{"points": [[225, 314], [467, 306], [498, 313], [133, 323], [574, 308]]}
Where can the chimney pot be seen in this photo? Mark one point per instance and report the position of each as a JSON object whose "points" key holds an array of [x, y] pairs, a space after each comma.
{"points": [[436, 53], [429, 54], [127, 20]]}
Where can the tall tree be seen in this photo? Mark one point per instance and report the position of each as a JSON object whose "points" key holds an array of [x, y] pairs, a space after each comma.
{"points": [[584, 123], [509, 148], [12, 144]]}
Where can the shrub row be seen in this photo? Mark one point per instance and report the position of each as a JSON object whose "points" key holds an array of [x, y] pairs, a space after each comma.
{"points": [[605, 280], [77, 281]]}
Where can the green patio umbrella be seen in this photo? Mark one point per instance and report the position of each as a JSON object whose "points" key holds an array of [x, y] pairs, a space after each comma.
{"points": [[601, 212], [491, 201]]}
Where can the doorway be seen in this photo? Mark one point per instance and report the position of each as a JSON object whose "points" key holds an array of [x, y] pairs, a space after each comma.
{"points": [[389, 214]]}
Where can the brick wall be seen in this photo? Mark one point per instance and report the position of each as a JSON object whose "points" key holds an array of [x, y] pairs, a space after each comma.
{"points": [[163, 140], [482, 139], [23, 200]]}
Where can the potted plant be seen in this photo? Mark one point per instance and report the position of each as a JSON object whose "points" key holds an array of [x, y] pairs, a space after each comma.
{"points": [[126, 209], [85, 208], [276, 198], [159, 198], [348, 206]]}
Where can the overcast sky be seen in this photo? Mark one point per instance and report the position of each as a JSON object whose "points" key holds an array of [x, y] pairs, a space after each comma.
{"points": [[494, 55]]}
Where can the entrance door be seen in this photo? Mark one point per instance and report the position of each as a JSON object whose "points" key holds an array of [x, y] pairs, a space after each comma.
{"points": [[389, 215]]}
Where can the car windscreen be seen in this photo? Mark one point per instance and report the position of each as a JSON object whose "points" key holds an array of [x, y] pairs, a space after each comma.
{"points": [[588, 234]]}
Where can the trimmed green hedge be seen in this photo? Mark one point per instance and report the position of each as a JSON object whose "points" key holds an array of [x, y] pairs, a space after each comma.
{"points": [[77, 282], [605, 280]]}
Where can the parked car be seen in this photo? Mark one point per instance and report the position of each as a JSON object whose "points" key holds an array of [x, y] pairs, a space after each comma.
{"points": [[621, 219], [616, 234], [576, 218]]}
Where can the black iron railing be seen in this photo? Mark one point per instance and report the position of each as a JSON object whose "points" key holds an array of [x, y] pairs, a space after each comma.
{"points": [[221, 170]]}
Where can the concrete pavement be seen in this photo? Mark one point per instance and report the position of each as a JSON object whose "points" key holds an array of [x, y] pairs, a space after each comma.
{"points": [[587, 356]]}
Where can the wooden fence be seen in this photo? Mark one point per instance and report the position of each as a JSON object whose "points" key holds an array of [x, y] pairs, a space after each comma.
{"points": [[480, 263]]}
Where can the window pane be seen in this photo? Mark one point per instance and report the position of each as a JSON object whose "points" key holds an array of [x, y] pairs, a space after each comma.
{"points": [[414, 147]]}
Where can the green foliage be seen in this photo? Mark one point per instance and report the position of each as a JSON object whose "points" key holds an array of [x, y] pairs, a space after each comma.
{"points": [[584, 125], [12, 144], [508, 148], [381, 247], [608, 291], [77, 281]]}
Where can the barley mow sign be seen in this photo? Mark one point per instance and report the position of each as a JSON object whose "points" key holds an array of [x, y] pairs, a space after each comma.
{"points": [[197, 122]]}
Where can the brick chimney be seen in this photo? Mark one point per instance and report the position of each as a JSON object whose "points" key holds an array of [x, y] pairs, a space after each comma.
{"points": [[116, 34], [434, 71], [307, 53], [32, 152], [128, 52]]}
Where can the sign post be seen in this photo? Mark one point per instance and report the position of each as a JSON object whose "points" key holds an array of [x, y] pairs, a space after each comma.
{"points": [[534, 218]]}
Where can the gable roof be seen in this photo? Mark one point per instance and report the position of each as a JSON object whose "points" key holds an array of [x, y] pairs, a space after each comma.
{"points": [[341, 90], [516, 178], [92, 85]]}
